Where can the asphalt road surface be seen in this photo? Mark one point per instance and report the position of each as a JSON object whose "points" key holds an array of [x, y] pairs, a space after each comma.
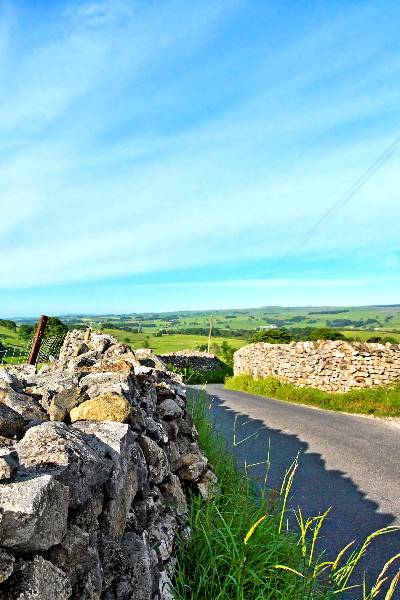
{"points": [[348, 462]]}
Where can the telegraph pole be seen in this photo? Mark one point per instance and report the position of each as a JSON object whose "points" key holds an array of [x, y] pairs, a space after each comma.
{"points": [[209, 335]]}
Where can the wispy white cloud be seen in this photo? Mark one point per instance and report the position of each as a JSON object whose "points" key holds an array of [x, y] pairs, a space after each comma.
{"points": [[139, 137]]}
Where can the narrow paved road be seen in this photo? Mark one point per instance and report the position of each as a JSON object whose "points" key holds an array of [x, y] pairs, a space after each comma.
{"points": [[348, 462]]}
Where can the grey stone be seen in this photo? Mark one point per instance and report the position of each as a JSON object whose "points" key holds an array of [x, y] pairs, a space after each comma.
{"points": [[165, 391], [22, 404], [194, 463], [88, 359], [63, 402], [11, 422], [76, 557], [207, 485], [172, 429], [147, 399], [53, 382], [112, 561], [139, 579], [174, 456], [7, 378], [165, 586], [156, 459], [65, 453], [6, 565], [162, 536], [33, 514], [8, 463], [175, 496], [169, 409], [148, 359], [38, 579], [87, 516], [128, 472], [101, 342], [155, 430], [116, 382], [18, 376], [6, 442], [186, 428], [121, 351], [90, 586], [137, 420], [81, 349]]}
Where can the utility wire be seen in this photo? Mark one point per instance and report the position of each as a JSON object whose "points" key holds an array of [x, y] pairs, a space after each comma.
{"points": [[343, 200]]}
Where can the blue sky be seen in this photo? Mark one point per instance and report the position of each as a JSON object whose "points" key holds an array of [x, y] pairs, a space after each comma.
{"points": [[162, 155]]}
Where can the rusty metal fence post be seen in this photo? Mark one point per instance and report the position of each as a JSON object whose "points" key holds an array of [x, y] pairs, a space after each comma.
{"points": [[37, 340]]}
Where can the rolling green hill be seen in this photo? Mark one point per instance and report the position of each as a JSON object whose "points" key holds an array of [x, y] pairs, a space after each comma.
{"points": [[172, 331]]}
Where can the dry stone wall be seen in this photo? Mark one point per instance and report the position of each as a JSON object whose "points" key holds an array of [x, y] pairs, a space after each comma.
{"points": [[193, 359], [330, 366], [97, 453]]}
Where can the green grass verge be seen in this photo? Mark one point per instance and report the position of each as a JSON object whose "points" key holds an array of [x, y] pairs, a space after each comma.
{"points": [[194, 377], [379, 401], [240, 548]]}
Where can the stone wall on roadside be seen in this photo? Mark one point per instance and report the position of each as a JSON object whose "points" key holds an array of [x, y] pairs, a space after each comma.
{"points": [[330, 366], [192, 359], [97, 454]]}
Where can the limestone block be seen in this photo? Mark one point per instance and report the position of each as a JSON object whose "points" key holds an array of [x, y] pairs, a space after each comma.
{"points": [[162, 536], [65, 453], [33, 514], [129, 470], [194, 463], [6, 565], [38, 579], [140, 573], [156, 459], [107, 407], [8, 463], [11, 422], [169, 409], [63, 402], [77, 557], [175, 495], [207, 485], [101, 342], [101, 382]]}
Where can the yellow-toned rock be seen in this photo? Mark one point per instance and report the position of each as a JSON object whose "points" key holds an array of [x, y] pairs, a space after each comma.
{"points": [[107, 407]]}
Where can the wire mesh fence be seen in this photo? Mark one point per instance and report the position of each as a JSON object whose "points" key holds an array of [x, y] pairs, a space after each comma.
{"points": [[49, 350], [14, 354]]}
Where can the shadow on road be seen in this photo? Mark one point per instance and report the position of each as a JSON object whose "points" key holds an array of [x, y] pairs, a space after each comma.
{"points": [[315, 488]]}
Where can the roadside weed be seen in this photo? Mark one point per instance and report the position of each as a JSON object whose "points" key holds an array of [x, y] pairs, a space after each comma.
{"points": [[241, 546]]}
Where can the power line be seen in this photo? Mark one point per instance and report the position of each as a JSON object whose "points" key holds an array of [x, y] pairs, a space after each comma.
{"points": [[343, 200]]}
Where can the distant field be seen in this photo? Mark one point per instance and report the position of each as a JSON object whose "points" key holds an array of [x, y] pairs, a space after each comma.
{"points": [[169, 343], [370, 318], [188, 329], [10, 337], [365, 335]]}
